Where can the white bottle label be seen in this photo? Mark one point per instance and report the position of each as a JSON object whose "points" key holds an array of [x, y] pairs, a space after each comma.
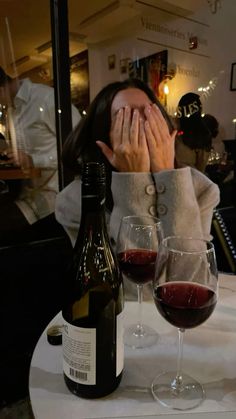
{"points": [[119, 343], [79, 352]]}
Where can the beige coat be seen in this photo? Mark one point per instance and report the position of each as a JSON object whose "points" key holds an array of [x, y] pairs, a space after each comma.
{"points": [[183, 199]]}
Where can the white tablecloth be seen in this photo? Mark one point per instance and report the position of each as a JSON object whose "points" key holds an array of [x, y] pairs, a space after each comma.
{"points": [[209, 355]]}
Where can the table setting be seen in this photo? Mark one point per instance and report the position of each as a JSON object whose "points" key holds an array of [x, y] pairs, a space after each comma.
{"points": [[209, 355]]}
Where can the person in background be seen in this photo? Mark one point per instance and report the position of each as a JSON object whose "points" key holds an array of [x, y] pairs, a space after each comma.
{"points": [[220, 167], [128, 130], [214, 127], [194, 139], [33, 143]]}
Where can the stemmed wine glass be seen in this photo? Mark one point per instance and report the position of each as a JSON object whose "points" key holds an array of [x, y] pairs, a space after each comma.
{"points": [[137, 247], [185, 291]]}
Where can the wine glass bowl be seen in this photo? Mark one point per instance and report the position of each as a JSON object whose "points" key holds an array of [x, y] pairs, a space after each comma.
{"points": [[185, 291], [137, 246]]}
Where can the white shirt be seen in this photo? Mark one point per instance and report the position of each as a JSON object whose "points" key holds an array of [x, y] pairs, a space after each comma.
{"points": [[35, 132]]}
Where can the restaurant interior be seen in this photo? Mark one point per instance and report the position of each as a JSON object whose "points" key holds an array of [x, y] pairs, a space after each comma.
{"points": [[77, 47]]}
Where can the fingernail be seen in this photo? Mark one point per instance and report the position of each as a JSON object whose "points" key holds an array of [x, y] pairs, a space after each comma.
{"points": [[148, 108]]}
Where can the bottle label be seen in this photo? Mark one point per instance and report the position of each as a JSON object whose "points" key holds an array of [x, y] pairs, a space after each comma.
{"points": [[79, 352], [119, 343]]}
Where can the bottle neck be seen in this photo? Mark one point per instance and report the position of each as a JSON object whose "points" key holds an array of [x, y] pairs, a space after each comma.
{"points": [[93, 218], [93, 200]]}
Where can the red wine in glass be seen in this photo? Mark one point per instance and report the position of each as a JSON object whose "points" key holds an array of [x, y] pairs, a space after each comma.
{"points": [[185, 304], [185, 291], [137, 246], [138, 265]]}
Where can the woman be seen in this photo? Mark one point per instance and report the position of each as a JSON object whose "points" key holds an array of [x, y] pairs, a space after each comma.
{"points": [[128, 129]]}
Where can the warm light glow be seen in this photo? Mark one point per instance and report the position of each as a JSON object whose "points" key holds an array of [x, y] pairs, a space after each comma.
{"points": [[84, 112], [166, 89], [2, 128], [234, 121]]}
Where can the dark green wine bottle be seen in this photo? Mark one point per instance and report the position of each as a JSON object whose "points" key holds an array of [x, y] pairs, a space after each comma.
{"points": [[93, 350]]}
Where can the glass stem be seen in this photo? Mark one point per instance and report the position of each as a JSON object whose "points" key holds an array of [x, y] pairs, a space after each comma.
{"points": [[140, 330], [177, 383]]}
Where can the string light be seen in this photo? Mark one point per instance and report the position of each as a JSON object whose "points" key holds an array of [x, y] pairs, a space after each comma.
{"points": [[234, 122]]}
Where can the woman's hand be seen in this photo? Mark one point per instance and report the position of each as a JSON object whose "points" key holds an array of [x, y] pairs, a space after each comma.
{"points": [[160, 142], [129, 151]]}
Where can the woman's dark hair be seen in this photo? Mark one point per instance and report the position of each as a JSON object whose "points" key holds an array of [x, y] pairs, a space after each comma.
{"points": [[80, 147], [4, 78]]}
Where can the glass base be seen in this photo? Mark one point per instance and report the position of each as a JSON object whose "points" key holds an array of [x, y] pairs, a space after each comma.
{"points": [[139, 337], [187, 395]]}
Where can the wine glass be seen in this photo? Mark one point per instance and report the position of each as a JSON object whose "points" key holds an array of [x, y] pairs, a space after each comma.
{"points": [[185, 290], [137, 246]]}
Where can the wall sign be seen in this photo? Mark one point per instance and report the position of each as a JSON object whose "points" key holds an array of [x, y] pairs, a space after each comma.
{"points": [[233, 77]]}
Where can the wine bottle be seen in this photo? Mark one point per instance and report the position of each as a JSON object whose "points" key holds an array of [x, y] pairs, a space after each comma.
{"points": [[93, 350]]}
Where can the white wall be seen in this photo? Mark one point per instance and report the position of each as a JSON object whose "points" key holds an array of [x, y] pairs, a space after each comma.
{"points": [[153, 31]]}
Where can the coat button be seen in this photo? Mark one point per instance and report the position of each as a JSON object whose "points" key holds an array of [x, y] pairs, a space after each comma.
{"points": [[150, 189], [161, 188], [161, 209], [152, 210]]}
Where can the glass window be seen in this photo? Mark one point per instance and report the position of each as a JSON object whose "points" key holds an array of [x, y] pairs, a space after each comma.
{"points": [[176, 47]]}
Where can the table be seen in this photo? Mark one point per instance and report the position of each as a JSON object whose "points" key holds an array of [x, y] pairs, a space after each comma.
{"points": [[209, 355], [17, 173]]}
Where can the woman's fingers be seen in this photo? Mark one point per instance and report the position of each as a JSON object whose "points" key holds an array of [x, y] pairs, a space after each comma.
{"points": [[173, 135], [126, 125], [134, 129], [160, 141], [157, 122], [142, 135], [129, 152], [124, 128], [116, 128]]}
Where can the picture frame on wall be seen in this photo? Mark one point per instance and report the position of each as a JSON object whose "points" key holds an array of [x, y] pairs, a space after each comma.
{"points": [[152, 70], [233, 77], [79, 81]]}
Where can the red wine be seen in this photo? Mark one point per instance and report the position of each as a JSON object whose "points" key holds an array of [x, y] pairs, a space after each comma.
{"points": [[138, 265], [92, 340], [184, 304]]}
